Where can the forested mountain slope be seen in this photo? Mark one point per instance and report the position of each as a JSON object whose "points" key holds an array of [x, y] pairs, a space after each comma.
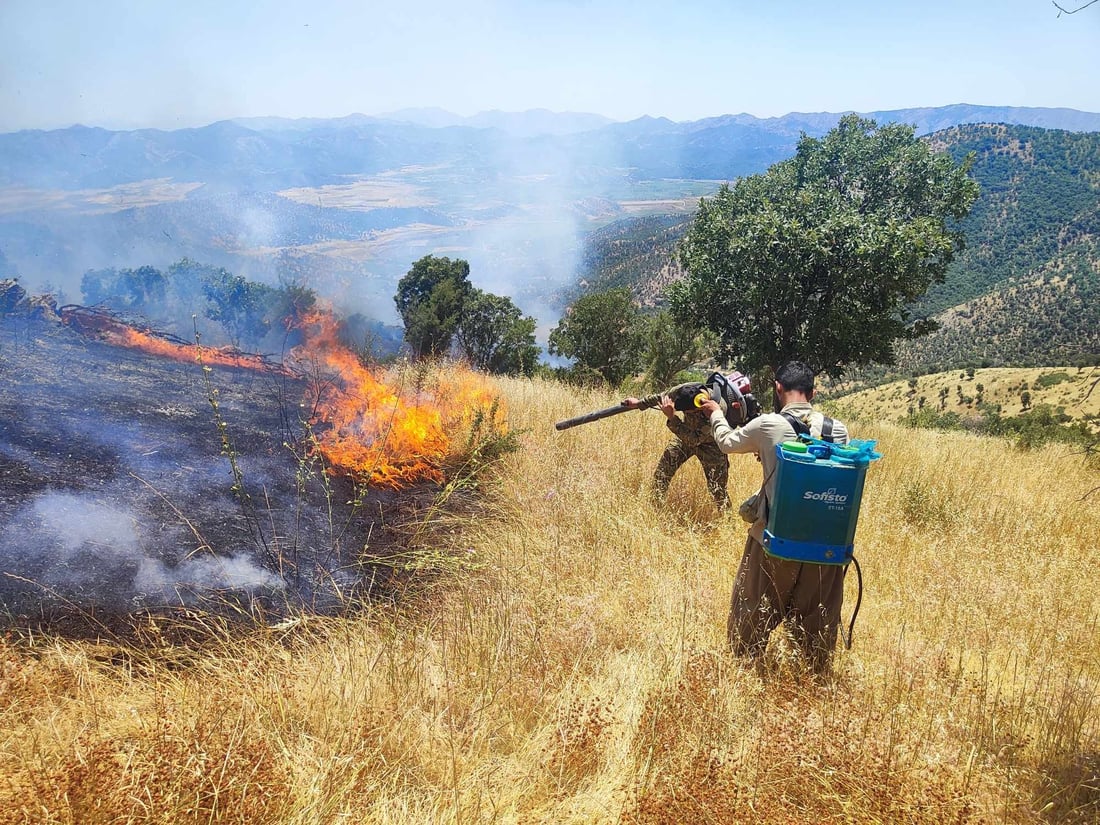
{"points": [[616, 255], [1051, 318], [1025, 291], [1039, 203]]}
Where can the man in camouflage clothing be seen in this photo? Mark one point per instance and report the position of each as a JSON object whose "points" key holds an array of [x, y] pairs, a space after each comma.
{"points": [[691, 436]]}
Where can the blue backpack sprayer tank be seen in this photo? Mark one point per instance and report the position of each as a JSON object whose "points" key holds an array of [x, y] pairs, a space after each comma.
{"points": [[818, 490]]}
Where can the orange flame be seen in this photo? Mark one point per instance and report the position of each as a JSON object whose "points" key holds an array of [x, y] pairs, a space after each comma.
{"points": [[369, 430], [377, 433], [111, 330], [222, 356]]}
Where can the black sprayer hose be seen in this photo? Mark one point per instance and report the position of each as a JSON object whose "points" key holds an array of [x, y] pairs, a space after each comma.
{"points": [[855, 612]]}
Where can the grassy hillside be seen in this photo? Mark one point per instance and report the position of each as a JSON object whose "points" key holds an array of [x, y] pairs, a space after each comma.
{"points": [[1075, 392], [560, 658]]}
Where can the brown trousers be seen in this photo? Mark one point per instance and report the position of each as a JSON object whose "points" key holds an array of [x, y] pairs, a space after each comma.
{"points": [[768, 591]]}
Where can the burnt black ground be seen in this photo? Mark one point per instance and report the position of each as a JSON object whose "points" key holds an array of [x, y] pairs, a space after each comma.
{"points": [[116, 496]]}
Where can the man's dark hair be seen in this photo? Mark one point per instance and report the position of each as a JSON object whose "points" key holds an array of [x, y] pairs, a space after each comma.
{"points": [[683, 397], [795, 375]]}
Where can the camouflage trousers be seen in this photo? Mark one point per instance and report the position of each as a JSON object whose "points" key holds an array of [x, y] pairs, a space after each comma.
{"points": [[716, 470]]}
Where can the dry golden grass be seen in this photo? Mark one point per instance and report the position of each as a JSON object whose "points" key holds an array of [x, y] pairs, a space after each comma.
{"points": [[1073, 389], [570, 665]]}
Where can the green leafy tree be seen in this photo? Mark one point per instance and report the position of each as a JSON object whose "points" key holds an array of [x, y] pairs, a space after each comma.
{"points": [[126, 290], [98, 285], [494, 335], [430, 300], [143, 288], [819, 257], [602, 333], [288, 305], [239, 305], [671, 346]]}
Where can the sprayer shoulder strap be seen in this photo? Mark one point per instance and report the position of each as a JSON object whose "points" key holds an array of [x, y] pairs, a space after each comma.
{"points": [[802, 428]]}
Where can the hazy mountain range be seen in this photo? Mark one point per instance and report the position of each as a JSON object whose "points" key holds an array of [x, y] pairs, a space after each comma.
{"points": [[347, 204], [271, 153]]}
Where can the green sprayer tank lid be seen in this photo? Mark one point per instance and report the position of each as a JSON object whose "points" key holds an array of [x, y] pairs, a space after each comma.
{"points": [[794, 446]]}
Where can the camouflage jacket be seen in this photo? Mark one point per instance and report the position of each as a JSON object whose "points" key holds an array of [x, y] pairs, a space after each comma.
{"points": [[693, 429]]}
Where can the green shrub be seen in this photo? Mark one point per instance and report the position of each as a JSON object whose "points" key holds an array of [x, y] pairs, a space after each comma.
{"points": [[1051, 379]]}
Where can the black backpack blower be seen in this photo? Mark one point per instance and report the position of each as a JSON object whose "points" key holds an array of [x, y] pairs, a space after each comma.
{"points": [[732, 392]]}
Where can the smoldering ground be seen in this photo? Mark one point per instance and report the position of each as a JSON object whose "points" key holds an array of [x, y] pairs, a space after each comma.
{"points": [[118, 492], [79, 547]]}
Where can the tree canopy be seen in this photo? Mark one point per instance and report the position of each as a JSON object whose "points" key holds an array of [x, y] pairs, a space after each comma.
{"points": [[239, 305], [495, 336], [819, 257], [137, 290], [430, 298], [671, 346], [246, 311], [602, 332], [442, 311]]}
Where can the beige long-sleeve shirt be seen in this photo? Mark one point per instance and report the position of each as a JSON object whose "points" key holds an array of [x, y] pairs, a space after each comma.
{"points": [[761, 436]]}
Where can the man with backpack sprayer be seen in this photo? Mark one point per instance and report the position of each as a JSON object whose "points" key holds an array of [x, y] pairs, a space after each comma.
{"points": [[769, 589]]}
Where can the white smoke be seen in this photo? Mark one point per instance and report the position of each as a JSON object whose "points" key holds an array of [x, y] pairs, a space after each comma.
{"points": [[77, 547], [200, 573]]}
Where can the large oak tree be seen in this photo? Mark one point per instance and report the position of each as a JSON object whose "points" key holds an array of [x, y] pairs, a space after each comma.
{"points": [[443, 311], [819, 257], [495, 336], [601, 333]]}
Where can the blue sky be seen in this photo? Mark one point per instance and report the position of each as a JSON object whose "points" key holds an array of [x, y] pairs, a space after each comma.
{"points": [[134, 63]]}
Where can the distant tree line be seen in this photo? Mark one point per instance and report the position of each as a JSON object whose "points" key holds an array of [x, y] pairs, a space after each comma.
{"points": [[1033, 428], [245, 313], [604, 334]]}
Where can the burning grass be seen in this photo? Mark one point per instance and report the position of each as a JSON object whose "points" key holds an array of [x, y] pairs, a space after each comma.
{"points": [[571, 666], [382, 431], [103, 326], [143, 475]]}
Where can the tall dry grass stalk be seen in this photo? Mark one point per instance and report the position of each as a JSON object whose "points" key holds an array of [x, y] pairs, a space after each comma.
{"points": [[570, 666]]}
